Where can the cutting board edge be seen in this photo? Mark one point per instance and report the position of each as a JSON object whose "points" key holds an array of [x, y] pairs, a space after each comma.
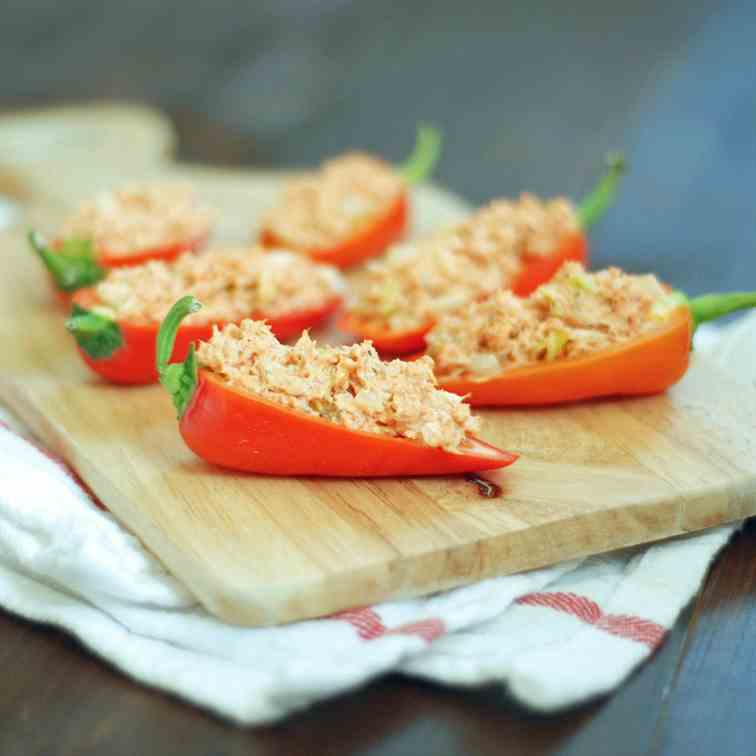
{"points": [[235, 601]]}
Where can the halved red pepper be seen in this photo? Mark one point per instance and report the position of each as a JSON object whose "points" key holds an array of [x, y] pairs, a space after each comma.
{"points": [[238, 430], [645, 365], [385, 340], [124, 352], [536, 269], [74, 263], [164, 252], [71, 265], [374, 236]]}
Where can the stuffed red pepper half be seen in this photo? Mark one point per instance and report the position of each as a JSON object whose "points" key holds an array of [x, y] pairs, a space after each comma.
{"points": [[352, 209], [116, 321], [121, 228], [247, 402]]}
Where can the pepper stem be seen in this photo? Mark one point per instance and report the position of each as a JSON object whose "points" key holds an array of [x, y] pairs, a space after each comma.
{"points": [[179, 378], [711, 306], [97, 335], [593, 207], [419, 165], [73, 266]]}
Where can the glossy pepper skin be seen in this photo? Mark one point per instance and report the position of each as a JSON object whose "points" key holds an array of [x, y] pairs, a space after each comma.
{"points": [[165, 252], [237, 430], [536, 269], [233, 429], [380, 232], [648, 364], [132, 359], [540, 270], [368, 241], [385, 340]]}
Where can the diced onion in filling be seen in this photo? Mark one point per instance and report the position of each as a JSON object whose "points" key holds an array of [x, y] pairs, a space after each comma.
{"points": [[576, 313]]}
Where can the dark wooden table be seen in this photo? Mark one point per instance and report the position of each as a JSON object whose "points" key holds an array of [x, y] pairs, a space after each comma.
{"points": [[530, 95]]}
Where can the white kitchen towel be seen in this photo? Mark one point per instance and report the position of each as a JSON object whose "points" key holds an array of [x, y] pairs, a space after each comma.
{"points": [[554, 637]]}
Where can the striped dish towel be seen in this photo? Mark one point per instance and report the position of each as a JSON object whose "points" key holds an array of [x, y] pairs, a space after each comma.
{"points": [[66, 562]]}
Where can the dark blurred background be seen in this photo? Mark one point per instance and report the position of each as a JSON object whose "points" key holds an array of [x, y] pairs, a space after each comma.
{"points": [[530, 95]]}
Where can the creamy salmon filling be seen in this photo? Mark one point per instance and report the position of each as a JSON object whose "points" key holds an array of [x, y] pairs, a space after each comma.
{"points": [[326, 208], [140, 218], [575, 314], [347, 385], [231, 283], [418, 282]]}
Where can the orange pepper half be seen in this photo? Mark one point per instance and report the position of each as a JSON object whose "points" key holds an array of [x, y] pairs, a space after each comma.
{"points": [[648, 364]]}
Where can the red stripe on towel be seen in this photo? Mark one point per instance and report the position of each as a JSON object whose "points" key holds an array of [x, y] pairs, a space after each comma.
{"points": [[622, 625], [364, 620], [428, 629], [369, 625]]}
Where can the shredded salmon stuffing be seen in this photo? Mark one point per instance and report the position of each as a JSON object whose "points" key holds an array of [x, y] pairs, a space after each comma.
{"points": [[322, 209], [576, 313], [347, 385], [140, 217], [231, 283], [415, 283]]}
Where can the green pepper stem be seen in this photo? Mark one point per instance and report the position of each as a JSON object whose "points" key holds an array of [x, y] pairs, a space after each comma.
{"points": [[87, 323], [73, 266], [711, 306], [166, 337], [419, 165], [179, 379], [593, 207], [96, 334]]}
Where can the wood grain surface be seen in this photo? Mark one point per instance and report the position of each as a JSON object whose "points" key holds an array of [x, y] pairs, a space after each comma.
{"points": [[260, 550]]}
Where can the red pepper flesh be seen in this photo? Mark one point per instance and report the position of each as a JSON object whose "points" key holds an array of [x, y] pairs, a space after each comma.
{"points": [[134, 362], [540, 270], [107, 260], [234, 429], [385, 340], [165, 253], [537, 271], [368, 241], [375, 234]]}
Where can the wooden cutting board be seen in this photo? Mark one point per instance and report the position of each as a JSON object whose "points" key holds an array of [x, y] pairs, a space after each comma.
{"points": [[258, 550]]}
